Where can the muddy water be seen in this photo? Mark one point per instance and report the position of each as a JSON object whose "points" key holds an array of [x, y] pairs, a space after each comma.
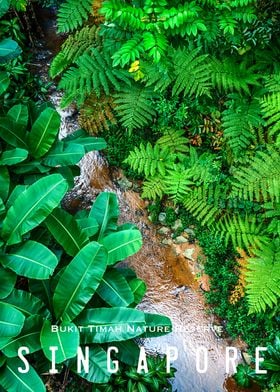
{"points": [[172, 289]]}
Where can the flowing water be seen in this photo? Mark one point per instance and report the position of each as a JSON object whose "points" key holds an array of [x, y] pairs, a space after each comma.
{"points": [[172, 289]]}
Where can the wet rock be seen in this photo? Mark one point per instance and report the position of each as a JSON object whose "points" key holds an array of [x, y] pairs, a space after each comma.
{"points": [[166, 241], [178, 290], [188, 253], [124, 184], [178, 225], [162, 217], [217, 330], [246, 357], [180, 240], [164, 230], [190, 232]]}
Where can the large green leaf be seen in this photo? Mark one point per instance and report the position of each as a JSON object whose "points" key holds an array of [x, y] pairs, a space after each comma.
{"points": [[79, 281], [66, 339], [89, 143], [4, 7], [122, 244], [114, 289], [157, 324], [88, 225], [19, 115], [8, 280], [18, 189], [14, 381], [128, 352], [4, 82], [11, 134], [33, 206], [2, 210], [25, 302], [111, 324], [4, 183], [66, 231], [9, 49], [138, 287], [106, 211], [31, 167], [32, 260], [64, 155], [29, 337], [11, 321], [44, 132], [12, 157], [98, 372]]}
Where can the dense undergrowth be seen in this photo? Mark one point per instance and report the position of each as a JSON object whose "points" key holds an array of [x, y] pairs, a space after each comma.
{"points": [[187, 96], [57, 269]]}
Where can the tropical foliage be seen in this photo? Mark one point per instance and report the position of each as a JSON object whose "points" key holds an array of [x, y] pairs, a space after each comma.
{"points": [[58, 269], [198, 83], [65, 263], [233, 187]]}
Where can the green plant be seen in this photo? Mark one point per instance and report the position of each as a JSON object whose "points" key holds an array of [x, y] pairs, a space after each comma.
{"points": [[129, 380], [203, 76], [31, 145], [65, 263], [271, 364]]}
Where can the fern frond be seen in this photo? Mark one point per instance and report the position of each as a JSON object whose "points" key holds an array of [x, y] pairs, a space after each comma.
{"points": [[192, 76], [159, 75], [153, 188], [174, 140], [205, 202], [273, 83], [149, 160], [74, 46], [72, 14], [238, 121], [227, 75], [129, 51], [243, 232], [178, 183], [271, 112], [93, 73], [263, 278], [134, 106], [96, 114], [261, 180], [127, 16], [204, 168]]}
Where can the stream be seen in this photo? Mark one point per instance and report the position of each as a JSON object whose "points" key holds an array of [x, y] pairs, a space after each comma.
{"points": [[172, 289]]}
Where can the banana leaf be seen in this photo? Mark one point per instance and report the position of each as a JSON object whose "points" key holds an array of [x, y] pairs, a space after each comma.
{"points": [[79, 281], [14, 381], [98, 372], [66, 231], [8, 280], [25, 302], [4, 82], [43, 132], [33, 206], [114, 289], [106, 211], [66, 341], [122, 244], [102, 325], [32, 260], [29, 337], [12, 157], [11, 321]]}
